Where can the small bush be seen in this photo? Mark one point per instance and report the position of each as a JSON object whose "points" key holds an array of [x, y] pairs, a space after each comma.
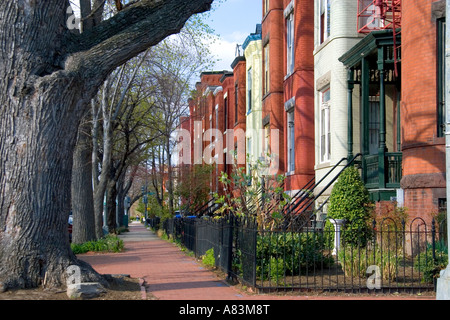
{"points": [[350, 200], [109, 243], [208, 259], [280, 254], [428, 267], [355, 262], [276, 269]]}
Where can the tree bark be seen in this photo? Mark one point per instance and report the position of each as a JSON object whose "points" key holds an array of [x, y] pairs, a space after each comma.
{"points": [[122, 190], [47, 78], [169, 178], [101, 180], [111, 207], [82, 192]]}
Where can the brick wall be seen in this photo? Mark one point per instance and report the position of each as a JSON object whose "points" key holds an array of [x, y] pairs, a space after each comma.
{"points": [[301, 86], [423, 151], [273, 101]]}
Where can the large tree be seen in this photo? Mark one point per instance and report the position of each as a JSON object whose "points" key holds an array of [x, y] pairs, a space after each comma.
{"points": [[48, 76]]}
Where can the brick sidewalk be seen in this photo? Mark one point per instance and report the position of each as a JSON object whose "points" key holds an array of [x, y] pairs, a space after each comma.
{"points": [[170, 274]]}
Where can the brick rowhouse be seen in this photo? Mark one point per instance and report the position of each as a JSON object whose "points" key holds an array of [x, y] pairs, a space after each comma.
{"points": [[273, 72], [298, 90], [423, 144]]}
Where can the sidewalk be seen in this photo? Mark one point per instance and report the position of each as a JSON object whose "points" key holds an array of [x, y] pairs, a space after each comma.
{"points": [[170, 274]]}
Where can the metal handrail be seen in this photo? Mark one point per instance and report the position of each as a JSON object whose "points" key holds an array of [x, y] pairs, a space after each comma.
{"points": [[306, 189], [297, 214]]}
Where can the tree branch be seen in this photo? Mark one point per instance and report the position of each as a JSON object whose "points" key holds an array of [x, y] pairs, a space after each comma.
{"points": [[94, 53]]}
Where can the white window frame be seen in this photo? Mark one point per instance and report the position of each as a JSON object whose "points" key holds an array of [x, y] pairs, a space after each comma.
{"points": [[266, 6], [291, 140], [267, 68], [266, 146], [289, 107], [324, 127], [290, 41], [250, 155], [249, 89], [325, 28]]}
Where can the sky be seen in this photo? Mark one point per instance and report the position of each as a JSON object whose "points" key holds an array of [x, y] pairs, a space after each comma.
{"points": [[233, 21]]}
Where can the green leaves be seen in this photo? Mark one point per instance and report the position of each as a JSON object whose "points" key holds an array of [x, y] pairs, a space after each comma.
{"points": [[109, 243], [209, 259], [253, 194], [350, 200]]}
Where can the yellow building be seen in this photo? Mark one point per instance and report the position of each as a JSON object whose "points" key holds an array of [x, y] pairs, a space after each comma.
{"points": [[254, 137]]}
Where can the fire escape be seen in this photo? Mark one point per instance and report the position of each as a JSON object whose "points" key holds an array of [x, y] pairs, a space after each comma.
{"points": [[380, 15]]}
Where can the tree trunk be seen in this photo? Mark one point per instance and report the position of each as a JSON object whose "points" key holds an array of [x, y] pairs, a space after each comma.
{"points": [[82, 193], [101, 180], [121, 194], [35, 184], [47, 78], [38, 128], [169, 178], [111, 207]]}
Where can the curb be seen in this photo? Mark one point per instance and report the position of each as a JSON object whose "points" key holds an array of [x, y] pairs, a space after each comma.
{"points": [[143, 289]]}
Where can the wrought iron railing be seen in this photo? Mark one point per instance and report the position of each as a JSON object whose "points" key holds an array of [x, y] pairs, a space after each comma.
{"points": [[386, 256], [301, 210], [393, 170]]}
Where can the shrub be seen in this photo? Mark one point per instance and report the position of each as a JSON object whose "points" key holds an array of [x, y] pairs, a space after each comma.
{"points": [[109, 243], [428, 267], [350, 201], [208, 259], [276, 269], [288, 253], [355, 263]]}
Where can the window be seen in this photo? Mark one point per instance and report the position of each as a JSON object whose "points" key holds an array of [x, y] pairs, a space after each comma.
{"points": [[266, 150], [325, 134], [266, 69], [249, 155], [291, 140], [442, 205], [266, 6], [325, 26], [225, 111], [249, 89], [290, 43], [441, 71]]}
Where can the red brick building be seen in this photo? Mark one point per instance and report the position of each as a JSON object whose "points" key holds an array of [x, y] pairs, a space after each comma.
{"points": [[422, 106], [273, 73], [298, 92], [395, 77], [217, 112]]}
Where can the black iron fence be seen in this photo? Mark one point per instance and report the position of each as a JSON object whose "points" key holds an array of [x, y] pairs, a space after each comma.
{"points": [[384, 256]]}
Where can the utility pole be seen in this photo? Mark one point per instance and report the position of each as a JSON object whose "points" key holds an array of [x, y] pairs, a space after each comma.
{"points": [[443, 283]]}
